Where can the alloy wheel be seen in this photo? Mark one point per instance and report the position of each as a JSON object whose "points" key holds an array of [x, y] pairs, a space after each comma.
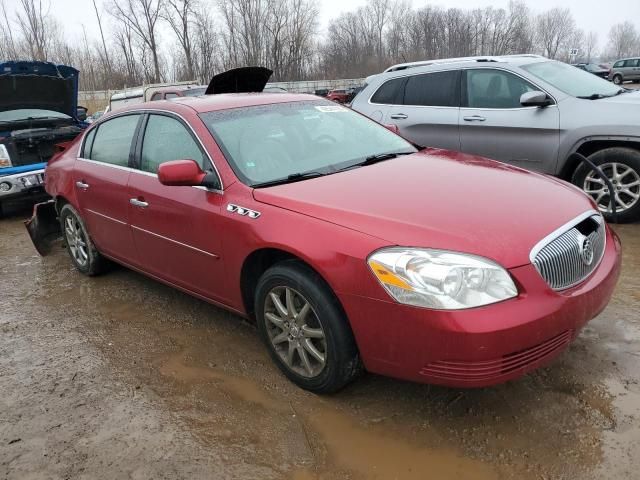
{"points": [[626, 184], [295, 332], [76, 240]]}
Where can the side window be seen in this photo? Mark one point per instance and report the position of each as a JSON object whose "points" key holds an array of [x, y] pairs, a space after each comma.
{"points": [[631, 63], [112, 142], [165, 139], [618, 64], [88, 142], [490, 88], [438, 89], [156, 96], [171, 95], [390, 93]]}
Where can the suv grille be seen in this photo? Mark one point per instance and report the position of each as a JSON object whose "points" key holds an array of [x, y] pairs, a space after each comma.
{"points": [[570, 256]]}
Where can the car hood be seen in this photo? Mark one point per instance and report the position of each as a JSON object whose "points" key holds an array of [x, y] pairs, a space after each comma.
{"points": [[631, 98], [38, 85], [439, 199], [240, 80]]}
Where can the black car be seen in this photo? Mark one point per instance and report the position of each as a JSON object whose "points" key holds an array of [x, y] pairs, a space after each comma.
{"points": [[593, 68]]}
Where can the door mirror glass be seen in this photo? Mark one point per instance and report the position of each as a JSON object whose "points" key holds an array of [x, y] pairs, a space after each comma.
{"points": [[534, 99]]}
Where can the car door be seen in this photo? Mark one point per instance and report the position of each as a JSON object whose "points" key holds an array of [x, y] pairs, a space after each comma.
{"points": [[633, 69], [427, 111], [101, 175], [495, 125], [176, 230]]}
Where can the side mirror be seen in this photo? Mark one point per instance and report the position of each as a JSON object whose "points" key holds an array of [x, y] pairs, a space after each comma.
{"points": [[535, 99], [81, 113], [186, 173], [393, 128]]}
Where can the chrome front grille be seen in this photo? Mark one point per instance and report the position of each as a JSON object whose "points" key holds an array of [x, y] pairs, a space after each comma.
{"points": [[569, 255]]}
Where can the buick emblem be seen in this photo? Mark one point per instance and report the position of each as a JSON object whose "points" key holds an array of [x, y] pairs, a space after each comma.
{"points": [[586, 251]]}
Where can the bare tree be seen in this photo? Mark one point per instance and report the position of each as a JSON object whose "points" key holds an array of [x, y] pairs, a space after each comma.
{"points": [[104, 43], [623, 40], [554, 28], [590, 45], [141, 16], [180, 15], [32, 20]]}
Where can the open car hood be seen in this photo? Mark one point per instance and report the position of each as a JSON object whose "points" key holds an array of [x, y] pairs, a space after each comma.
{"points": [[38, 85], [240, 80]]}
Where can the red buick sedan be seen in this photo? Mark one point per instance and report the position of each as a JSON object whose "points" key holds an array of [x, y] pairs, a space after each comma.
{"points": [[346, 244]]}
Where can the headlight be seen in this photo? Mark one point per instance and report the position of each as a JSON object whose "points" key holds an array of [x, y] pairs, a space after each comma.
{"points": [[440, 279], [5, 161]]}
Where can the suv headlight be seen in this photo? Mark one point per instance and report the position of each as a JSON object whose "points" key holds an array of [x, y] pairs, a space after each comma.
{"points": [[5, 160], [440, 279]]}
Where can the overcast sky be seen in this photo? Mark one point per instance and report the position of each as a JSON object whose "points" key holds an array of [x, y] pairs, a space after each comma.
{"points": [[590, 15]]}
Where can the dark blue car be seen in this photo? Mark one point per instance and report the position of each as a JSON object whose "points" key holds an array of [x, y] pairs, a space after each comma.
{"points": [[38, 110]]}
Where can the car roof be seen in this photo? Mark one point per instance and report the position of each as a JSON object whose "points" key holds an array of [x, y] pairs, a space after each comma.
{"points": [[223, 101], [179, 88], [521, 59]]}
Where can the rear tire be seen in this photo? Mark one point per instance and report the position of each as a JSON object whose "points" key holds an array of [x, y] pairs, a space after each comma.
{"points": [[83, 253], [622, 167], [321, 334]]}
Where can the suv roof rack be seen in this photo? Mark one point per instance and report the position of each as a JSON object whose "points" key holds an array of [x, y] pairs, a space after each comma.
{"points": [[484, 58]]}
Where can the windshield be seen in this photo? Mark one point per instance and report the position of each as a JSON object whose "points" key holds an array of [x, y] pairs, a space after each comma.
{"points": [[26, 113], [270, 142], [571, 80]]}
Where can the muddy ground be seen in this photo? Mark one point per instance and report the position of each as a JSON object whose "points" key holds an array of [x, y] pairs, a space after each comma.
{"points": [[121, 377]]}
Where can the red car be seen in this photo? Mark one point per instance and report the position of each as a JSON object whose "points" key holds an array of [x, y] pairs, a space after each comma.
{"points": [[347, 245], [340, 96]]}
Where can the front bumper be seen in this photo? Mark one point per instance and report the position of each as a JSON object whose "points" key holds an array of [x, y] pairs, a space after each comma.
{"points": [[486, 345], [22, 184]]}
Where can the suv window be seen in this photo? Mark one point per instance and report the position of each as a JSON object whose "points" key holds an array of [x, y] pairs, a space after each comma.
{"points": [[631, 63], [438, 89], [618, 64], [165, 139], [390, 92], [112, 141], [489, 88]]}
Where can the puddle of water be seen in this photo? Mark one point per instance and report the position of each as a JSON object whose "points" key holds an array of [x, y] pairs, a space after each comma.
{"points": [[376, 455], [176, 367]]}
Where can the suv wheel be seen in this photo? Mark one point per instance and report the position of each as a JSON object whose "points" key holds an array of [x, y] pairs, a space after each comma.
{"points": [[622, 167], [617, 79], [305, 329], [82, 251]]}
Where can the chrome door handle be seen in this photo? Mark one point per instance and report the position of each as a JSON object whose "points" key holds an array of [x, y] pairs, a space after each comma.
{"points": [[138, 203], [398, 116], [82, 185], [474, 118]]}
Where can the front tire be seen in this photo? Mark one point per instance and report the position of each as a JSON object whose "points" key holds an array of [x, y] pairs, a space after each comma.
{"points": [[622, 167], [617, 79], [304, 328], [82, 251]]}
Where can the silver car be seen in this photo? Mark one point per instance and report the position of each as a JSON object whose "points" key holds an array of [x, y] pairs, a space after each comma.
{"points": [[524, 110], [625, 69]]}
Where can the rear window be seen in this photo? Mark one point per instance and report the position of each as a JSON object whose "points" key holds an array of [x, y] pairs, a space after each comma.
{"points": [[438, 89], [390, 93], [112, 142]]}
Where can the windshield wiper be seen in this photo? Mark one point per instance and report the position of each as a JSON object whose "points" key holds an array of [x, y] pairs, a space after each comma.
{"points": [[593, 96], [294, 177], [371, 159]]}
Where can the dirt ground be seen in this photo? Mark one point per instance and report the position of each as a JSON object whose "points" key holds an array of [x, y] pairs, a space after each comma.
{"points": [[121, 377]]}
